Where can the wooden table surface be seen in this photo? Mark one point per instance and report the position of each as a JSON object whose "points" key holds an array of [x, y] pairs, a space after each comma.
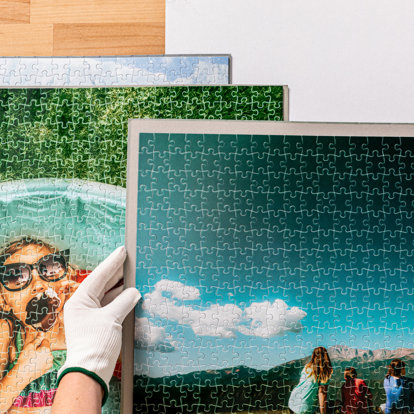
{"points": [[82, 27]]}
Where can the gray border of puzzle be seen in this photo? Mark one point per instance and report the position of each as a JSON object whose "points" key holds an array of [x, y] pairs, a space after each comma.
{"points": [[127, 373], [138, 126]]}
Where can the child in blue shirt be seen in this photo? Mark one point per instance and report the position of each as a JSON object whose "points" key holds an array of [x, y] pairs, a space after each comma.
{"points": [[399, 389]]}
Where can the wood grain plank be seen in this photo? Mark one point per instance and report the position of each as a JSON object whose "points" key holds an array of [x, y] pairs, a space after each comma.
{"points": [[97, 11], [26, 39], [14, 11], [108, 39]]}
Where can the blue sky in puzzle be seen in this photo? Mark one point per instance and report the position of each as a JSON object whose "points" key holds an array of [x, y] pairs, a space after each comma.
{"points": [[254, 250], [114, 71]]}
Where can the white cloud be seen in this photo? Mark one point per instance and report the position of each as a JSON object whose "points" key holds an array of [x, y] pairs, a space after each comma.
{"points": [[261, 319], [139, 71], [269, 319], [217, 320], [151, 337], [206, 72]]}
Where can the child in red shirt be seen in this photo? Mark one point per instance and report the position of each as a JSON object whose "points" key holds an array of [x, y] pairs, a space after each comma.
{"points": [[356, 396]]}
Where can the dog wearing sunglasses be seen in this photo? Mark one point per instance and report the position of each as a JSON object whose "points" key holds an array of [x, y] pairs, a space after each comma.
{"points": [[35, 283]]}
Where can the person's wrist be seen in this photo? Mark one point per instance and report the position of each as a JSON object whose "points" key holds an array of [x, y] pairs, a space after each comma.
{"points": [[76, 393], [80, 375], [81, 378]]}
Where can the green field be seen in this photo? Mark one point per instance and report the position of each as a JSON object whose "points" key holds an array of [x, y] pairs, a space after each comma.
{"points": [[82, 132]]}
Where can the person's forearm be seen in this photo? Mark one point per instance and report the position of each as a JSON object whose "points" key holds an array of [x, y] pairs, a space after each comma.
{"points": [[322, 401], [78, 393]]}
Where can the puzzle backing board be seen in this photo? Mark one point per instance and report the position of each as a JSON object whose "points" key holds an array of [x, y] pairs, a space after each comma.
{"points": [[255, 244], [62, 180]]}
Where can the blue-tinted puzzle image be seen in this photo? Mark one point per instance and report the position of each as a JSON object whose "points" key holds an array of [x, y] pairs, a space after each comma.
{"points": [[115, 70], [276, 273]]}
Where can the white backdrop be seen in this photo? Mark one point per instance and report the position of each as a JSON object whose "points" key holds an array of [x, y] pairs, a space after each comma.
{"points": [[349, 60]]}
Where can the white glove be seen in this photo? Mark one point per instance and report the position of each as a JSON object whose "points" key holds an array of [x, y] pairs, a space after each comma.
{"points": [[94, 333]]}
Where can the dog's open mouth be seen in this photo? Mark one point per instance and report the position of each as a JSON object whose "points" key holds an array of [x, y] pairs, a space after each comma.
{"points": [[41, 310]]}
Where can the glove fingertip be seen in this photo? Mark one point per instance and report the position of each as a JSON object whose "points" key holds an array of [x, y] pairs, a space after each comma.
{"points": [[120, 251], [124, 303], [131, 295]]}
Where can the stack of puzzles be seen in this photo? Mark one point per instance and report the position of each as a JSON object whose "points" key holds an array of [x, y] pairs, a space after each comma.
{"points": [[274, 258]]}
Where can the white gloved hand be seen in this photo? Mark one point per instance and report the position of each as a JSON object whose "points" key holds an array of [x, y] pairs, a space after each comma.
{"points": [[94, 333]]}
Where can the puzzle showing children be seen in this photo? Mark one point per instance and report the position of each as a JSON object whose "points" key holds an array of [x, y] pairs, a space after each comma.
{"points": [[275, 266]]}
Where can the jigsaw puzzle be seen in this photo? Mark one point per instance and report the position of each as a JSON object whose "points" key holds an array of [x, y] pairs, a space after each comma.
{"points": [[275, 264], [114, 71], [62, 208]]}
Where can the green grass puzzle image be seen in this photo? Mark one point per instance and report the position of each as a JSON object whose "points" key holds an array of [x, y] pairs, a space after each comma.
{"points": [[81, 133]]}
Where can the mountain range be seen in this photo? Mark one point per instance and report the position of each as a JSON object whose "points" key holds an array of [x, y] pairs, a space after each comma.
{"points": [[345, 353]]}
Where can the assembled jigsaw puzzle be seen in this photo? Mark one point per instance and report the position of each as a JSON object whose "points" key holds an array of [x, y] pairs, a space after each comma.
{"points": [[114, 71], [276, 267], [62, 208]]}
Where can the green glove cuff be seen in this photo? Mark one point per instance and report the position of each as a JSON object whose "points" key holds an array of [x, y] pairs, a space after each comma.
{"points": [[89, 374]]}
